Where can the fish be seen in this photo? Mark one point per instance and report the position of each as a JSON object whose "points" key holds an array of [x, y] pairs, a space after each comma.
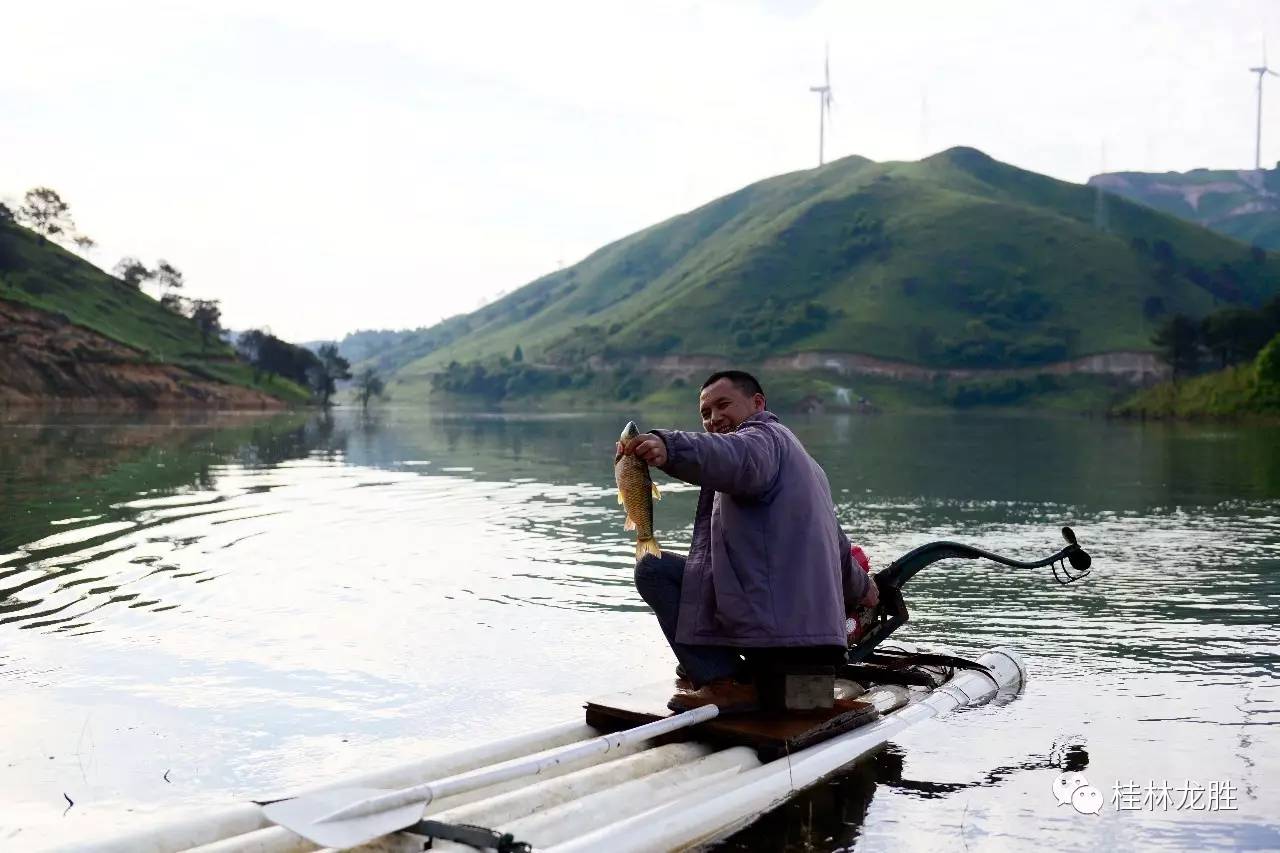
{"points": [[636, 493]]}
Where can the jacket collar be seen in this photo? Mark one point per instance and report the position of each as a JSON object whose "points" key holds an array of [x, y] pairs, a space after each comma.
{"points": [[764, 417]]}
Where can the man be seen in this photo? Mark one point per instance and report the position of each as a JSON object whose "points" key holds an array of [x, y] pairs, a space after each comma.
{"points": [[768, 568]]}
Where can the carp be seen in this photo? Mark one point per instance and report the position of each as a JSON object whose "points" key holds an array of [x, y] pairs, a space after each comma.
{"points": [[636, 493]]}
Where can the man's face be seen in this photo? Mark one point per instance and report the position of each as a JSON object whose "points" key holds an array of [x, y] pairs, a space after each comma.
{"points": [[724, 406]]}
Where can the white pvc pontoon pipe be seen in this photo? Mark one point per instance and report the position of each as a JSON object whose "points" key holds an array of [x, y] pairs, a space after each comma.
{"points": [[270, 839], [349, 817], [521, 802], [575, 816], [208, 826], [618, 803], [720, 808], [516, 768], [277, 839], [710, 809]]}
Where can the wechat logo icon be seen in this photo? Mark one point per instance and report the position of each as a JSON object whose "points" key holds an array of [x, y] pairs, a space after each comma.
{"points": [[1074, 789]]}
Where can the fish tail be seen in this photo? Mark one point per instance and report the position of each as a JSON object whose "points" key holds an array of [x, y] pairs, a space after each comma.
{"points": [[647, 546]]}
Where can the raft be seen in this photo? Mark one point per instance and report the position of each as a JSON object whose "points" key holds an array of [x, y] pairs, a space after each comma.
{"points": [[684, 788]]}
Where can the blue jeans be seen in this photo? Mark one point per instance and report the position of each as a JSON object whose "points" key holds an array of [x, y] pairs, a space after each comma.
{"points": [[658, 580]]}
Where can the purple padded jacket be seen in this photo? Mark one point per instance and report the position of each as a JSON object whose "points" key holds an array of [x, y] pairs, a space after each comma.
{"points": [[768, 565]]}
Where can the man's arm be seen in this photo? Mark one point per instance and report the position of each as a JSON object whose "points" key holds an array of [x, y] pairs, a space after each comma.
{"points": [[743, 463]]}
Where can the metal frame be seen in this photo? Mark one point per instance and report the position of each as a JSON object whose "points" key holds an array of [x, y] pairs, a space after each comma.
{"points": [[891, 614]]}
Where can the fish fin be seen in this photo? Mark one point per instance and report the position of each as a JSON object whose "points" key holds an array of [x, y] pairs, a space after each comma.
{"points": [[620, 500], [657, 495], [630, 525], [647, 546]]}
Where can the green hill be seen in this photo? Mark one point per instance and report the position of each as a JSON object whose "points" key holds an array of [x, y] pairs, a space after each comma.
{"points": [[1240, 203], [36, 273], [957, 261], [1251, 389]]}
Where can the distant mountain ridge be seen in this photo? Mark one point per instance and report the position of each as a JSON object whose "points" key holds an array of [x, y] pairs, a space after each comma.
{"points": [[956, 261], [1240, 203], [365, 344]]}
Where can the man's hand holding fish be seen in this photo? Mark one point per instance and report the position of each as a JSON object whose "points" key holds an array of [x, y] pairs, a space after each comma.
{"points": [[648, 447]]}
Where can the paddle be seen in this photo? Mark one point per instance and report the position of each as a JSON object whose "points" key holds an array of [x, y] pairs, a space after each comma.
{"points": [[348, 817]]}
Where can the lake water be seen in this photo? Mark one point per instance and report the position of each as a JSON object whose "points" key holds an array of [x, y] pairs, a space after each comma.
{"points": [[200, 609]]}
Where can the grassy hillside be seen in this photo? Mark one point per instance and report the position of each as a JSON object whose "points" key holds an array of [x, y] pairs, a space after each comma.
{"points": [[1245, 389], [1229, 393], [40, 274], [953, 261], [1240, 203]]}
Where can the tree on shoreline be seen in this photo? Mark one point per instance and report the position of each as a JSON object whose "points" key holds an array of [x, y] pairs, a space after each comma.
{"points": [[268, 354], [1178, 343], [1268, 362], [1234, 335], [1231, 336], [369, 385], [330, 369]]}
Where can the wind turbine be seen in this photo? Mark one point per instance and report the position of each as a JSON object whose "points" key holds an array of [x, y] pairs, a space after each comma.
{"points": [[824, 102], [1261, 71]]}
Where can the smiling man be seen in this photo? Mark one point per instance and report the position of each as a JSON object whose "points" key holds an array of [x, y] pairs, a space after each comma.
{"points": [[769, 574]]}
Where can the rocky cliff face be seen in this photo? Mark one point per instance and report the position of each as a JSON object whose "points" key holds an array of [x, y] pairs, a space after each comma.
{"points": [[1241, 203], [46, 359]]}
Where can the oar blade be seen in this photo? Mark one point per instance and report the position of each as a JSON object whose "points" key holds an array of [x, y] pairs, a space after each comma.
{"points": [[302, 815]]}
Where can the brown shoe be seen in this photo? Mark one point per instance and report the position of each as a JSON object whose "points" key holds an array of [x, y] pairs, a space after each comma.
{"points": [[726, 694]]}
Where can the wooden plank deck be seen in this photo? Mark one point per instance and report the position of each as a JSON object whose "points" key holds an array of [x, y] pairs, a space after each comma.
{"points": [[771, 733]]}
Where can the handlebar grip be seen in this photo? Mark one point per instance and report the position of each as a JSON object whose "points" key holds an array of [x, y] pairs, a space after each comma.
{"points": [[1078, 558]]}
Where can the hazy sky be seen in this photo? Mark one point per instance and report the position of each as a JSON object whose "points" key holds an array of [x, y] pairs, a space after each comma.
{"points": [[322, 167]]}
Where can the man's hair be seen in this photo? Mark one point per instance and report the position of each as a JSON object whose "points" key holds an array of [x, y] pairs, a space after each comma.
{"points": [[743, 381]]}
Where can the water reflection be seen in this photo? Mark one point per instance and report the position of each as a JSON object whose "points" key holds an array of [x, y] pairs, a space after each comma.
{"points": [[249, 603], [830, 815], [61, 580]]}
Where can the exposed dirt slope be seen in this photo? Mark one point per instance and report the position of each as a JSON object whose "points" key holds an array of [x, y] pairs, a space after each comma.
{"points": [[45, 358], [1136, 368]]}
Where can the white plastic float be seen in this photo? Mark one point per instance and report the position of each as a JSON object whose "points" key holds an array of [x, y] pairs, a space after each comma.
{"points": [[573, 796]]}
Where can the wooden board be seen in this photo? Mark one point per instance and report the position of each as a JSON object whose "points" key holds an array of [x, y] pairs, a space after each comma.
{"points": [[771, 733]]}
